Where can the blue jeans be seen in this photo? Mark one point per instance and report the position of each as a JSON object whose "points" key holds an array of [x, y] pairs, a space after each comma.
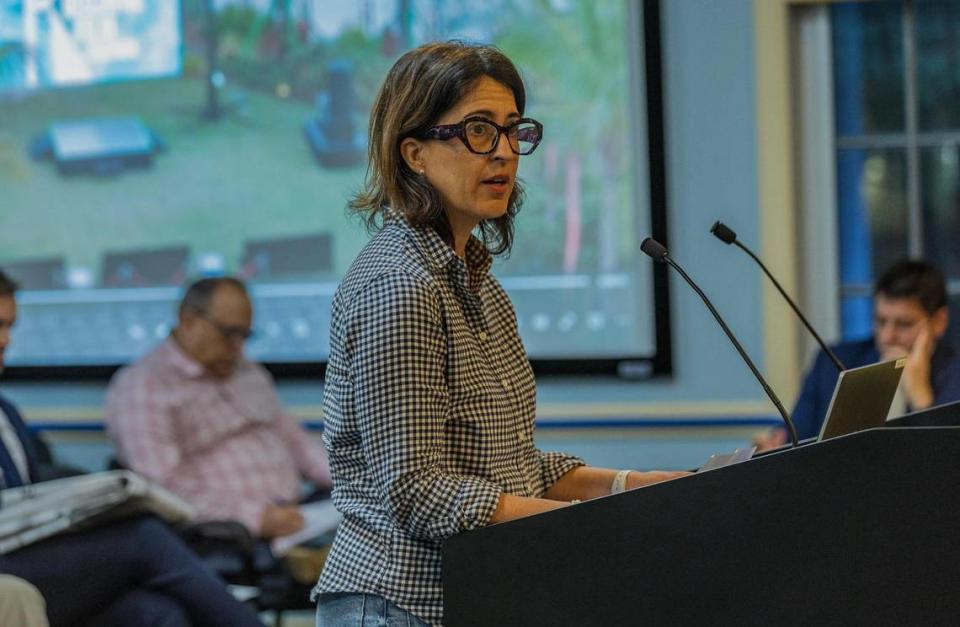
{"points": [[362, 610]]}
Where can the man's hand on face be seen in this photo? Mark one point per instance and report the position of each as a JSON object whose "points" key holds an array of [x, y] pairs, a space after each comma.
{"points": [[916, 373], [915, 382], [280, 520], [903, 328]]}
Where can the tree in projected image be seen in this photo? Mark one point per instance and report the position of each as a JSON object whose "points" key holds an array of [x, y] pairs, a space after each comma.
{"points": [[579, 77]]}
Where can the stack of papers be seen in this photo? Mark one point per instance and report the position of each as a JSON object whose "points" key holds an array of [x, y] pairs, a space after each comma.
{"points": [[34, 512], [719, 460], [319, 518]]}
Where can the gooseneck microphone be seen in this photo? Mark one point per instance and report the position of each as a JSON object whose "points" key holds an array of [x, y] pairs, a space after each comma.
{"points": [[728, 236], [658, 252]]}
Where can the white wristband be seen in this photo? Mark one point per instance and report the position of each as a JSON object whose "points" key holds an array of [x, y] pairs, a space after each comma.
{"points": [[619, 482]]}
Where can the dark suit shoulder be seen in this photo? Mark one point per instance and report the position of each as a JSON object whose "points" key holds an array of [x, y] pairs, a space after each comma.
{"points": [[856, 353]]}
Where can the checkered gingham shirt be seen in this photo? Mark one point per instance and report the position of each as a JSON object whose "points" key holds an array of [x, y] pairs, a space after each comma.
{"points": [[428, 410], [225, 446]]}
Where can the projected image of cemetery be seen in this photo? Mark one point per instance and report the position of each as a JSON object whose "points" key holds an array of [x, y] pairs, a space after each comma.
{"points": [[158, 161]]}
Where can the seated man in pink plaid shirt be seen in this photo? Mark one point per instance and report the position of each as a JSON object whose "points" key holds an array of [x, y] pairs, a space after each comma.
{"points": [[199, 419]]}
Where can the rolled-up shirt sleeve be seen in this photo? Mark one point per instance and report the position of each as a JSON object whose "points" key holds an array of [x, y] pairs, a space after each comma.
{"points": [[398, 349]]}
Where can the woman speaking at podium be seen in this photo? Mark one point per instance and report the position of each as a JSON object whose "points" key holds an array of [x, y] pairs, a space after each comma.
{"points": [[429, 398]]}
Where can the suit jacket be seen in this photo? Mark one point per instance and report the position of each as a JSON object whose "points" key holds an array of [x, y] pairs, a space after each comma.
{"points": [[26, 440], [811, 408]]}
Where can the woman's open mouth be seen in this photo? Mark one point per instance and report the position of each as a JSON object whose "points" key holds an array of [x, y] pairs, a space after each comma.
{"points": [[498, 184]]}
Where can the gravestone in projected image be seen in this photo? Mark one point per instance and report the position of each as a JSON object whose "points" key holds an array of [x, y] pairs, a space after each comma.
{"points": [[99, 146], [37, 274], [145, 268], [288, 258], [332, 135]]}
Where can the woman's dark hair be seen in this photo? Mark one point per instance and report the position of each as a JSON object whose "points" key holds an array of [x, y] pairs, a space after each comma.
{"points": [[422, 85], [914, 279]]}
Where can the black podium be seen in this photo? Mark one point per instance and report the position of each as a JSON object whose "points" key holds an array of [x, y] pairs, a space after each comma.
{"points": [[947, 415], [859, 530]]}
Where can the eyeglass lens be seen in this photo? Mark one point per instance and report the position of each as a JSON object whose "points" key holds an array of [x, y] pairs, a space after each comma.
{"points": [[229, 332], [482, 136]]}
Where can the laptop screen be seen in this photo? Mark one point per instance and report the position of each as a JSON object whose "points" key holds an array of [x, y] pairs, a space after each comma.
{"points": [[862, 398]]}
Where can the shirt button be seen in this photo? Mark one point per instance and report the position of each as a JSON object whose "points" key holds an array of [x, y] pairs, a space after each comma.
{"points": [[505, 384], [483, 336]]}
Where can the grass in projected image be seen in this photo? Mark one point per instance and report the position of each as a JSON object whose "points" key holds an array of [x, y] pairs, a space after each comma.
{"points": [[214, 186]]}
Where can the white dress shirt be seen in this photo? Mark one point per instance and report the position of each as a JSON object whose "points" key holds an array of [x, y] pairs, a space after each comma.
{"points": [[14, 446]]}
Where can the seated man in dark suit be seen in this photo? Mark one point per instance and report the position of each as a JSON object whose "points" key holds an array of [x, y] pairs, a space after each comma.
{"points": [[909, 320], [133, 572]]}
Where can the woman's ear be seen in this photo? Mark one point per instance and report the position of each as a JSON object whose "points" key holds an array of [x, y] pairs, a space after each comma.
{"points": [[412, 152]]}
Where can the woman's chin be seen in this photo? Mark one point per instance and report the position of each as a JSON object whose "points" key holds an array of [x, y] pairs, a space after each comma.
{"points": [[494, 210]]}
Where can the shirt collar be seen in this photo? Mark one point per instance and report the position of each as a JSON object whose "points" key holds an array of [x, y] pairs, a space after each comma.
{"points": [[440, 255]]}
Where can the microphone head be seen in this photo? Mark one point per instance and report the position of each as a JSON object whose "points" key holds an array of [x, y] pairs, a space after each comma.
{"points": [[654, 249], [723, 232]]}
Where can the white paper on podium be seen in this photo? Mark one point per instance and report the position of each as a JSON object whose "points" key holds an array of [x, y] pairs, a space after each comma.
{"points": [[318, 518], [719, 460]]}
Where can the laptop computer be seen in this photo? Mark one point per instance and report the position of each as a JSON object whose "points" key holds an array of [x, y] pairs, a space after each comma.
{"points": [[862, 398]]}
